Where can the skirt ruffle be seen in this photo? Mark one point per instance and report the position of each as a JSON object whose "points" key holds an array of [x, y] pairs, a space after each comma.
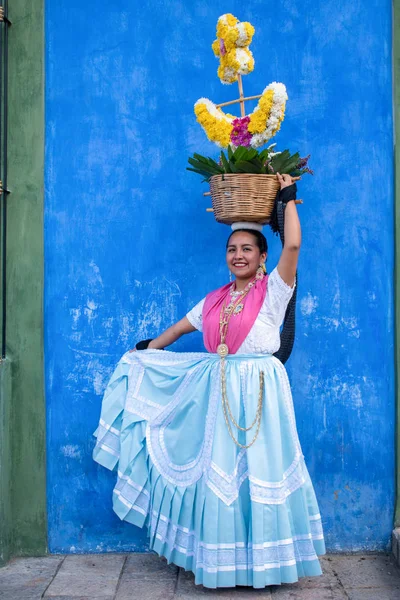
{"points": [[232, 516]]}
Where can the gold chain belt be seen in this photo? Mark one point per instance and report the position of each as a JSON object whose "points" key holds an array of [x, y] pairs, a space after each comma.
{"points": [[227, 409]]}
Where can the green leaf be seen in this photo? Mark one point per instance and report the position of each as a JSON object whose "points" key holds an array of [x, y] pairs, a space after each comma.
{"points": [[256, 162], [214, 164], [225, 163], [200, 158], [240, 153], [279, 160], [206, 162], [291, 163], [230, 153], [243, 153], [251, 153], [207, 175], [205, 167], [264, 155], [245, 166]]}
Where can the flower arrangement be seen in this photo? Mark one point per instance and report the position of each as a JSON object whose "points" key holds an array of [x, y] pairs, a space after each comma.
{"points": [[242, 136], [231, 47], [254, 130]]}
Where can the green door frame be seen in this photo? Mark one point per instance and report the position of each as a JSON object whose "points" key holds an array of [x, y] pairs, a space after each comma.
{"points": [[23, 523]]}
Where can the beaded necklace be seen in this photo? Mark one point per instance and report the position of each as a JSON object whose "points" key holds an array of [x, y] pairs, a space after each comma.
{"points": [[234, 307]]}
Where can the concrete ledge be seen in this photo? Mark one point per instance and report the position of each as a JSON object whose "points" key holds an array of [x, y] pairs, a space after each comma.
{"points": [[396, 544]]}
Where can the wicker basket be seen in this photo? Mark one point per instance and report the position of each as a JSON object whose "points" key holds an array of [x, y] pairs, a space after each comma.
{"points": [[243, 197]]}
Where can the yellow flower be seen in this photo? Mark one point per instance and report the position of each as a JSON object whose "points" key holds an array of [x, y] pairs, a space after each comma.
{"points": [[277, 128], [225, 21], [215, 123], [235, 56], [215, 47], [249, 32], [230, 38], [259, 117]]}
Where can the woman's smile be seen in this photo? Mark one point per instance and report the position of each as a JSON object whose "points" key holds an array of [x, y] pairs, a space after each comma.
{"points": [[240, 265], [243, 256]]}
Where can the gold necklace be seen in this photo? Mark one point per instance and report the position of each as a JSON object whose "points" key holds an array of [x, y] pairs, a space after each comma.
{"points": [[235, 307], [228, 412]]}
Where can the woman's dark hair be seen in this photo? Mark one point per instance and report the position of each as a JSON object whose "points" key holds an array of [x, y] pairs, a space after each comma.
{"points": [[260, 238]]}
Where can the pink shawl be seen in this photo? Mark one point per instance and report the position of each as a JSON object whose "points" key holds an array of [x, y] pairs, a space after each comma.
{"points": [[240, 324]]}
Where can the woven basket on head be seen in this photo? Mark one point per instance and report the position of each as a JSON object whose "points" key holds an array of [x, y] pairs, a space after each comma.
{"points": [[243, 197]]}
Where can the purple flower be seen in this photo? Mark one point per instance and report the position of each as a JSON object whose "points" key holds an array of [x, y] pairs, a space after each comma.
{"points": [[240, 135], [303, 162], [222, 48], [302, 165]]}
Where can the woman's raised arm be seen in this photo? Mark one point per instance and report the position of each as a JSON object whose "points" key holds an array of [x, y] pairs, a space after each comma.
{"points": [[287, 264]]}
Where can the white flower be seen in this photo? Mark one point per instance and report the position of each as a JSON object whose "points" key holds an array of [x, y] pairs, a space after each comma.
{"points": [[213, 110], [243, 38], [278, 104], [243, 57]]}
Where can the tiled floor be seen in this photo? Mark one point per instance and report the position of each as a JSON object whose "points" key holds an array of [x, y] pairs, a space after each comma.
{"points": [[147, 577]]}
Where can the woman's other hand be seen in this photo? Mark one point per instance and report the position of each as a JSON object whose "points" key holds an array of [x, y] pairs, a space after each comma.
{"points": [[168, 337], [142, 345], [285, 180]]}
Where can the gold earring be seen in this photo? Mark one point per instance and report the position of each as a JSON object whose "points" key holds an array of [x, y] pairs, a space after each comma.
{"points": [[260, 272]]}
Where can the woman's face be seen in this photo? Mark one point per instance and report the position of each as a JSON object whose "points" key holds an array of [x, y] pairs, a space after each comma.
{"points": [[243, 256]]}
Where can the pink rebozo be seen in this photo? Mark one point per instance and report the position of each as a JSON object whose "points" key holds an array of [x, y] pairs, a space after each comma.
{"points": [[239, 324]]}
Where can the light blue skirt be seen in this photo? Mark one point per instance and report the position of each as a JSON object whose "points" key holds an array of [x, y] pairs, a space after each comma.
{"points": [[232, 516]]}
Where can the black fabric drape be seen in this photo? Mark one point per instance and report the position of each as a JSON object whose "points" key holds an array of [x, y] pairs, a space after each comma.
{"points": [[278, 226]]}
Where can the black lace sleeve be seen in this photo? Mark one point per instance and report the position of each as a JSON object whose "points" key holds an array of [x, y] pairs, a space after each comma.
{"points": [[143, 344]]}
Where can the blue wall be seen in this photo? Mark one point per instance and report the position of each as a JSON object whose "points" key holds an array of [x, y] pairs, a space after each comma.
{"points": [[130, 248]]}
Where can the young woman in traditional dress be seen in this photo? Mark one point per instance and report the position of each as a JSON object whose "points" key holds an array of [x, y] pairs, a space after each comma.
{"points": [[205, 444]]}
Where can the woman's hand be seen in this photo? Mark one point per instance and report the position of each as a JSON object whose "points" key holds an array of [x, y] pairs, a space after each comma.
{"points": [[285, 180], [142, 345], [169, 336]]}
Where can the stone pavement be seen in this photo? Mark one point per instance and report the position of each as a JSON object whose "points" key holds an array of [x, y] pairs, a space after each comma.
{"points": [[147, 577]]}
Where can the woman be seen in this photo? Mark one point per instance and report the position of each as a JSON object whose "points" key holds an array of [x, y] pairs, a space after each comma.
{"points": [[206, 445]]}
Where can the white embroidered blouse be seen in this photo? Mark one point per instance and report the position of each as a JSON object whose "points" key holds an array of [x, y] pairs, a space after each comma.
{"points": [[263, 337]]}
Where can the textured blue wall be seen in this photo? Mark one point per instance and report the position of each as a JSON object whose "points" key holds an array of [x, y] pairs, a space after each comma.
{"points": [[130, 248]]}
